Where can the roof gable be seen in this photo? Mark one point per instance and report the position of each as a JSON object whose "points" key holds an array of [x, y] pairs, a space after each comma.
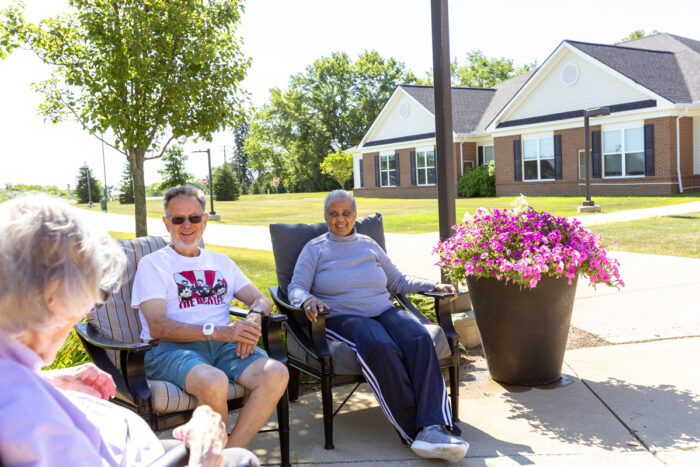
{"points": [[656, 70], [402, 116]]}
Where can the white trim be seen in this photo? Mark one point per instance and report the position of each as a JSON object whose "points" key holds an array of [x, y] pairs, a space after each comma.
{"points": [[550, 62], [388, 171], [536, 137], [631, 183], [426, 149], [622, 153]]}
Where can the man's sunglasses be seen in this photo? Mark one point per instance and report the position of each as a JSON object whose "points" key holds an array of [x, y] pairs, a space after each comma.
{"points": [[179, 220]]}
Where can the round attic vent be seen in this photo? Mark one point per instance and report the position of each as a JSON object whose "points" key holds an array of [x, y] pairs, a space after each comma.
{"points": [[404, 110], [569, 74]]}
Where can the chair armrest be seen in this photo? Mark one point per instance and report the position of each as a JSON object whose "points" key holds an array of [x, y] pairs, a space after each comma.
{"points": [[177, 456], [271, 333], [436, 294], [130, 378], [311, 335]]}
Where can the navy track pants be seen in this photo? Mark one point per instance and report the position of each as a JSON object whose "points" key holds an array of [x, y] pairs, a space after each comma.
{"points": [[398, 359]]}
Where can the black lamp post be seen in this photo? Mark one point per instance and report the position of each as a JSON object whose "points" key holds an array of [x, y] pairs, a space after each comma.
{"points": [[587, 113], [211, 182]]}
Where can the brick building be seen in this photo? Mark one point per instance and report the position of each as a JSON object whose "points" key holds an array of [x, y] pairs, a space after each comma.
{"points": [[532, 126]]}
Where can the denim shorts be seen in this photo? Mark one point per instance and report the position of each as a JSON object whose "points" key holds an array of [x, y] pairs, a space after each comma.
{"points": [[172, 361]]}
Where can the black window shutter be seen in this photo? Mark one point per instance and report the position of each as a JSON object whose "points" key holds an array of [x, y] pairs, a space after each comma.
{"points": [[649, 149], [413, 168], [517, 169], [362, 174], [480, 156], [376, 171], [398, 176], [595, 154], [557, 157]]}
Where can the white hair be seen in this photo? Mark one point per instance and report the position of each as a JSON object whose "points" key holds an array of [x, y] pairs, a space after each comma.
{"points": [[44, 240], [186, 190], [335, 194]]}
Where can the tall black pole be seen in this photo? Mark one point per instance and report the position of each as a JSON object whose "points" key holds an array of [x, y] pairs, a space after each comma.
{"points": [[211, 184], [587, 148], [447, 189], [104, 168]]}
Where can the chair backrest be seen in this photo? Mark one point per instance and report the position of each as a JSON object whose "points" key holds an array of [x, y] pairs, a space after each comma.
{"points": [[116, 319], [289, 239]]}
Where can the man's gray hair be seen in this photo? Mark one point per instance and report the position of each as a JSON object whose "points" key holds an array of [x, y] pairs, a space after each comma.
{"points": [[187, 190], [336, 194], [45, 240]]}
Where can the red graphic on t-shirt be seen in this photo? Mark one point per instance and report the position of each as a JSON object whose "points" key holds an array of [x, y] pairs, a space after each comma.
{"points": [[200, 287]]}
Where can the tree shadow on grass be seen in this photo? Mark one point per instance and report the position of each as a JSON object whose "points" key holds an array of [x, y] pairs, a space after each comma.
{"points": [[662, 416]]}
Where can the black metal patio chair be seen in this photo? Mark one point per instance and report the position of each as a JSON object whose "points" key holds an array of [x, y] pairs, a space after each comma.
{"points": [[111, 338], [334, 363]]}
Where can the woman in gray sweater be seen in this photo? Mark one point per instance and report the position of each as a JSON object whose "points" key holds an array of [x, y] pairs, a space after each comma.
{"points": [[349, 274]]}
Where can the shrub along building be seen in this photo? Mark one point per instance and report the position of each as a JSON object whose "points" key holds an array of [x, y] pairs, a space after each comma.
{"points": [[531, 126]]}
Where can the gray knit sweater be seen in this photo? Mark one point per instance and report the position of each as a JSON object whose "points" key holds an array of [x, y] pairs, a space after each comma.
{"points": [[349, 274]]}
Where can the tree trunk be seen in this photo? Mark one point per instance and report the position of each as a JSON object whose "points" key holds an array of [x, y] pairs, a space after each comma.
{"points": [[136, 159]]}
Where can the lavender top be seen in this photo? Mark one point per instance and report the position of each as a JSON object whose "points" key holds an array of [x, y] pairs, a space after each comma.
{"points": [[349, 274], [42, 425]]}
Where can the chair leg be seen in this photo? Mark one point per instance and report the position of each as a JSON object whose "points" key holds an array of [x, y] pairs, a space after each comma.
{"points": [[283, 425], [454, 388], [327, 400], [293, 386]]}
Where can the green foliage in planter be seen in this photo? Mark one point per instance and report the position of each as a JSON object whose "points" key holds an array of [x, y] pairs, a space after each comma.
{"points": [[72, 353], [478, 181]]}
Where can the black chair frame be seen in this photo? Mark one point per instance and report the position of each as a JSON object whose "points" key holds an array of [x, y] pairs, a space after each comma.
{"points": [[312, 338], [131, 380]]}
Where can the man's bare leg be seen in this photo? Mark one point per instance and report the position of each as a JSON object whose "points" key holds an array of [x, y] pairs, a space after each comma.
{"points": [[210, 386], [266, 379]]}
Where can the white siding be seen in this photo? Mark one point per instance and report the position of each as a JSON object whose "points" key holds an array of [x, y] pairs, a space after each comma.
{"points": [[356, 168], [594, 87], [393, 125], [696, 144]]}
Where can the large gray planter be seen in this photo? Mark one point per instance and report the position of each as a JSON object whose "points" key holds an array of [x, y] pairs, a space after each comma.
{"points": [[523, 331]]}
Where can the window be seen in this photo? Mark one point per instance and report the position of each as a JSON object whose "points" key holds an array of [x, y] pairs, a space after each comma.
{"points": [[425, 167], [582, 163], [387, 169], [538, 158], [488, 154], [623, 152]]}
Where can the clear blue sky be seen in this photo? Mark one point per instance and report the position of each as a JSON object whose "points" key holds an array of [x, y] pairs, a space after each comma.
{"points": [[285, 36]]}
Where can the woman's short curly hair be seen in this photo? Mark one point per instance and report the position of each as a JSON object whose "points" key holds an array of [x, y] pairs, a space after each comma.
{"points": [[44, 240]]}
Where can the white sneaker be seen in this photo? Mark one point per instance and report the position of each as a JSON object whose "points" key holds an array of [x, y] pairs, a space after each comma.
{"points": [[435, 442]]}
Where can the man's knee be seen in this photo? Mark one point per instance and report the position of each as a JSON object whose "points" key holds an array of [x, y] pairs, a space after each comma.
{"points": [[207, 383], [276, 373]]}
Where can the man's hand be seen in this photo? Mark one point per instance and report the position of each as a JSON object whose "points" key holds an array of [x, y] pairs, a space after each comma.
{"points": [[244, 333], [449, 288], [312, 306], [205, 436], [85, 378]]}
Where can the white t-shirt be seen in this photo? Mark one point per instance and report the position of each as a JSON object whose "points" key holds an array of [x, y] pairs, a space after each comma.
{"points": [[197, 290]]}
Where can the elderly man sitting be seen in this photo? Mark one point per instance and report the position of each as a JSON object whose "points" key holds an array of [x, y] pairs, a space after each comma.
{"points": [[199, 348]]}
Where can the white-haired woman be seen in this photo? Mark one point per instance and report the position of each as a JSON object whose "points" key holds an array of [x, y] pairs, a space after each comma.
{"points": [[54, 268], [350, 274]]}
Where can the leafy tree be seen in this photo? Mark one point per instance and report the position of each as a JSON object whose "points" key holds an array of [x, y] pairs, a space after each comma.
{"points": [[480, 71], [239, 162], [225, 183], [174, 172], [637, 34], [147, 72], [16, 188], [87, 187], [127, 186], [154, 190], [338, 165], [333, 102]]}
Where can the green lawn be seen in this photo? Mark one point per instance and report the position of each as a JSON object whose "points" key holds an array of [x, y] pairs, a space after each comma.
{"points": [[400, 215], [666, 235]]}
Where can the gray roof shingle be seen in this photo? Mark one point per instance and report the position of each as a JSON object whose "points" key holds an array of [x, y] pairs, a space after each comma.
{"points": [[656, 70]]}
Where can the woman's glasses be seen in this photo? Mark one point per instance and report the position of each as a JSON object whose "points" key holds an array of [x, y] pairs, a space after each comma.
{"points": [[179, 220]]}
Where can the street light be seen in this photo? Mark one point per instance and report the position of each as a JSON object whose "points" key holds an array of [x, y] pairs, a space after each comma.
{"points": [[588, 205], [211, 183]]}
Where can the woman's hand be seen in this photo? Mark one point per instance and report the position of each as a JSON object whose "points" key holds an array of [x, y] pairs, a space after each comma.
{"points": [[312, 306], [205, 436], [446, 288], [85, 378]]}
